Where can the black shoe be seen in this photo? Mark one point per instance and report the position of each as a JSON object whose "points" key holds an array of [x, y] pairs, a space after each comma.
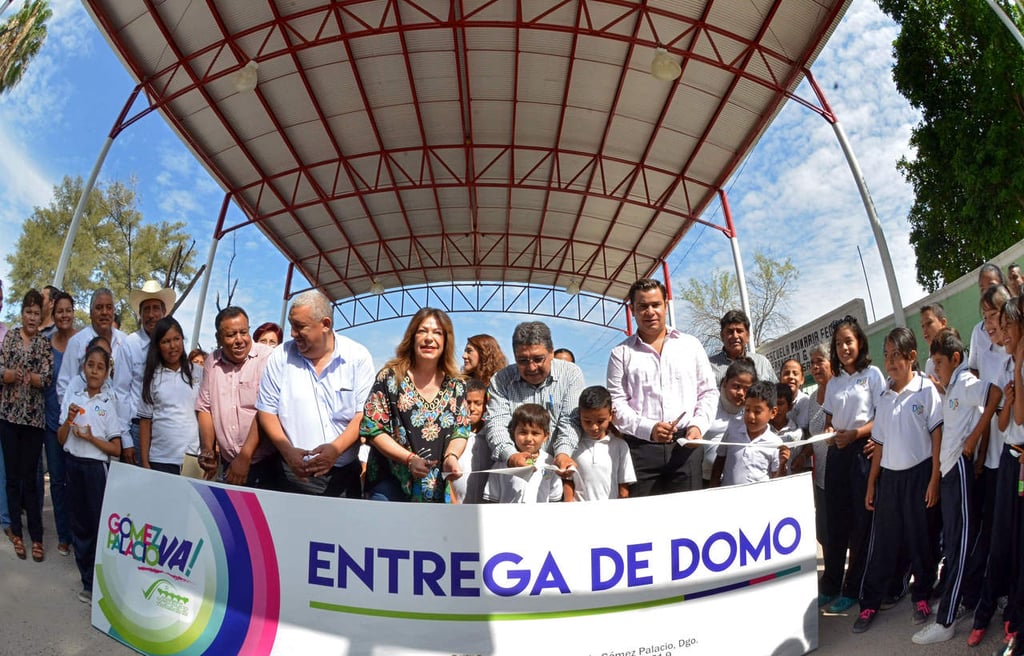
{"points": [[864, 620]]}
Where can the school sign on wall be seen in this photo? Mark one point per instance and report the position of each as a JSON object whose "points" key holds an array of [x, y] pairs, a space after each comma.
{"points": [[185, 566]]}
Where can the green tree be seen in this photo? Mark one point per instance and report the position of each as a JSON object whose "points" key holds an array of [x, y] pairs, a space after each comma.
{"points": [[21, 37], [114, 248], [958, 65], [768, 286]]}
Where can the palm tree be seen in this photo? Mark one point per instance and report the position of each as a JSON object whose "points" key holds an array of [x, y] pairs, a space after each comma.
{"points": [[21, 37]]}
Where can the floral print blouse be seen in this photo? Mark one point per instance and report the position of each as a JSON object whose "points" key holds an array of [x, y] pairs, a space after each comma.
{"points": [[425, 428], [19, 403]]}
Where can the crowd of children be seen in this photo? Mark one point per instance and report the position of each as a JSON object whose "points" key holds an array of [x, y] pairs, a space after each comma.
{"points": [[920, 474]]}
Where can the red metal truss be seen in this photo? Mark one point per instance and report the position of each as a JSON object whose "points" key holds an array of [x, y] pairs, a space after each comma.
{"points": [[409, 143], [505, 298], [388, 172]]}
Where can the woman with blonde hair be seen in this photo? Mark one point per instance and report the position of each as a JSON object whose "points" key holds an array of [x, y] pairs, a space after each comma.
{"points": [[416, 417]]}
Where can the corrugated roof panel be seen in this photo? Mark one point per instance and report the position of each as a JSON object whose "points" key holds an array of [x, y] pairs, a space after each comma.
{"points": [[492, 121], [354, 132], [491, 75], [384, 80], [745, 18], [601, 51], [442, 122], [334, 86], [398, 126], [537, 124], [517, 70], [434, 77]]}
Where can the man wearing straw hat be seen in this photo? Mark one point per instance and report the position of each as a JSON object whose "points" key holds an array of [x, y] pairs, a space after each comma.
{"points": [[152, 302]]}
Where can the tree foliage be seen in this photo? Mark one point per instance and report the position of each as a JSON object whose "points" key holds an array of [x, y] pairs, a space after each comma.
{"points": [[958, 65], [114, 248], [768, 286], [21, 37]]}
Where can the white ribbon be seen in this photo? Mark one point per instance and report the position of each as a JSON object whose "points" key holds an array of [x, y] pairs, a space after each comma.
{"points": [[761, 445]]}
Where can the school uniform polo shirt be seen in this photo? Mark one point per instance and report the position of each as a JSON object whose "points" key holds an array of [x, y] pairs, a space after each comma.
{"points": [[603, 465], [992, 362], [904, 422], [749, 464], [850, 398], [961, 411], [800, 414], [175, 429], [1014, 433], [100, 416], [980, 341], [715, 433], [120, 376], [996, 437], [543, 485]]}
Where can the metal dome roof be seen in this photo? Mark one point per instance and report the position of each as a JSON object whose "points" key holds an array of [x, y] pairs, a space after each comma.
{"points": [[412, 142]]}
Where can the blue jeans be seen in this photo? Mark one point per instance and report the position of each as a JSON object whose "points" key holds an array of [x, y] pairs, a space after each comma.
{"points": [[58, 485], [387, 489]]}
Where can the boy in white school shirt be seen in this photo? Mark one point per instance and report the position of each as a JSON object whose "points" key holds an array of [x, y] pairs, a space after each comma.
{"points": [[737, 463], [530, 428], [605, 466], [963, 400]]}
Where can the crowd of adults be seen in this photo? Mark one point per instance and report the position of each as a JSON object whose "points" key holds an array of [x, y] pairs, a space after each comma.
{"points": [[313, 415]]}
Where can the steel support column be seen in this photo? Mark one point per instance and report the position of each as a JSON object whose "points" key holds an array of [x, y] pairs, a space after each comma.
{"points": [[671, 309], [198, 324], [83, 200], [1007, 21], [869, 205], [737, 258]]}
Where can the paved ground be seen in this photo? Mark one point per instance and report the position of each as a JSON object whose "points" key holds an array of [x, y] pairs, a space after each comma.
{"points": [[40, 615]]}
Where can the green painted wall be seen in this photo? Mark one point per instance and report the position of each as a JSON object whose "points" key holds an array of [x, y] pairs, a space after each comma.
{"points": [[961, 310]]}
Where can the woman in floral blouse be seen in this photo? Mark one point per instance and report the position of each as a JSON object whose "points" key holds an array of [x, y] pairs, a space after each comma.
{"points": [[416, 416], [26, 368]]}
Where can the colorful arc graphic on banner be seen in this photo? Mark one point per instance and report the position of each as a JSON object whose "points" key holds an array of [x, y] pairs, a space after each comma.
{"points": [[240, 597]]}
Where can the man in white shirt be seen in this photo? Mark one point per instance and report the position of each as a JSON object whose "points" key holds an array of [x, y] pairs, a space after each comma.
{"points": [[310, 401], [152, 303], [101, 315], [663, 389]]}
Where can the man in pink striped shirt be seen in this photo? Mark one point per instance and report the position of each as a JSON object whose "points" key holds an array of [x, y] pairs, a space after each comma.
{"points": [[226, 405], [663, 394]]}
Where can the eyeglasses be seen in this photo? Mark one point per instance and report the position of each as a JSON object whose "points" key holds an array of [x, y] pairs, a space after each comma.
{"points": [[537, 360]]}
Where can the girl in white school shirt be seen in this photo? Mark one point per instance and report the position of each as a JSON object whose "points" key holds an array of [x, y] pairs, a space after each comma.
{"points": [[850, 412], [91, 437], [903, 486], [168, 428]]}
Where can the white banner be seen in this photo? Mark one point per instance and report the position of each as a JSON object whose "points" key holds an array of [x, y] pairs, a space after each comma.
{"points": [[185, 566]]}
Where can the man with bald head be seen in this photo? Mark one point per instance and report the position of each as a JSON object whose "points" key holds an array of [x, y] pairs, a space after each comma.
{"points": [[311, 399]]}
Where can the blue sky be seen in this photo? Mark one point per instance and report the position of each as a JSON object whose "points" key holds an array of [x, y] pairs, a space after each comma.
{"points": [[794, 196]]}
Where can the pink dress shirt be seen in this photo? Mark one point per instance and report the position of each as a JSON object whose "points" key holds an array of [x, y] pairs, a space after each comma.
{"points": [[648, 387], [228, 392]]}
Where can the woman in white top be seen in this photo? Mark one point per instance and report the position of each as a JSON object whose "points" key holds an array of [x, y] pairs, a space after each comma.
{"points": [[168, 428]]}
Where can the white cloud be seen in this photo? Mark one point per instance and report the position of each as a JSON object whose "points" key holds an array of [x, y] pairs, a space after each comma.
{"points": [[796, 196]]}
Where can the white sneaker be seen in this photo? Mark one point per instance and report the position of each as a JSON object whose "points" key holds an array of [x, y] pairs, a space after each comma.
{"points": [[933, 633], [85, 596]]}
